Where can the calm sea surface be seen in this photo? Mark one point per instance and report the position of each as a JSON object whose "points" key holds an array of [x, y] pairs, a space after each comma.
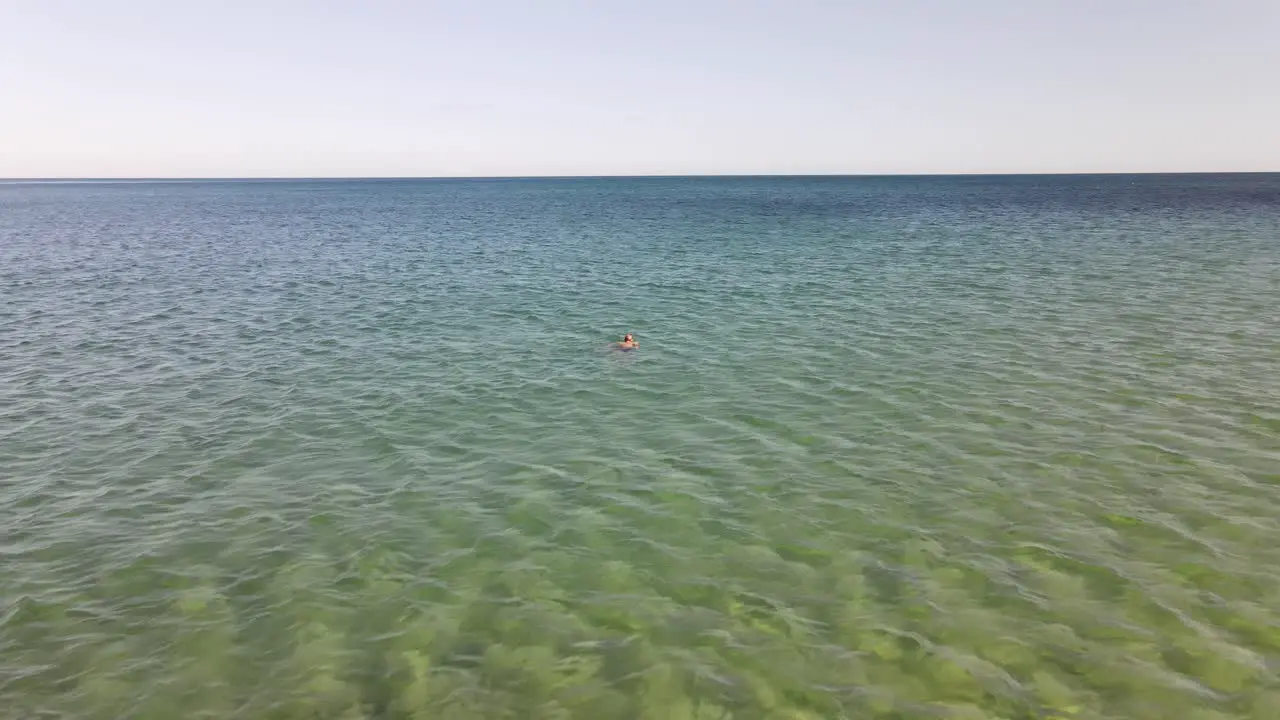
{"points": [[891, 448]]}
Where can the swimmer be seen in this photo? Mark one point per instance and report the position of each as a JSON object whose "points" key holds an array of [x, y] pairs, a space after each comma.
{"points": [[628, 343]]}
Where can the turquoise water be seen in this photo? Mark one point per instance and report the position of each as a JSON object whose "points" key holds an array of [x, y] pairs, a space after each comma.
{"points": [[890, 448]]}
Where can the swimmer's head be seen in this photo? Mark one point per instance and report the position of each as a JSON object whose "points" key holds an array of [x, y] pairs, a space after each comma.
{"points": [[626, 338]]}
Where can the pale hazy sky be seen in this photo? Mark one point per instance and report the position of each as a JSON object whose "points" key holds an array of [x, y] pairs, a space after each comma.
{"points": [[174, 88]]}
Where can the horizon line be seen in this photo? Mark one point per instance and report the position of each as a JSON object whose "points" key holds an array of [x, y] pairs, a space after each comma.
{"points": [[658, 176]]}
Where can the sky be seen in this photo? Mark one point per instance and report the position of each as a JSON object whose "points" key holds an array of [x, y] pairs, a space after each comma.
{"points": [[429, 88]]}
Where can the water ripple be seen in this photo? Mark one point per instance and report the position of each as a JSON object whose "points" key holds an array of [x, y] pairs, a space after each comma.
{"points": [[909, 448]]}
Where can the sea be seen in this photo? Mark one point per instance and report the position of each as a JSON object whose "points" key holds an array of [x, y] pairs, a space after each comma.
{"points": [[892, 448]]}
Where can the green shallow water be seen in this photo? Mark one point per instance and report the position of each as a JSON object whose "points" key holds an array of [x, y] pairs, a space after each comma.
{"points": [[890, 448]]}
